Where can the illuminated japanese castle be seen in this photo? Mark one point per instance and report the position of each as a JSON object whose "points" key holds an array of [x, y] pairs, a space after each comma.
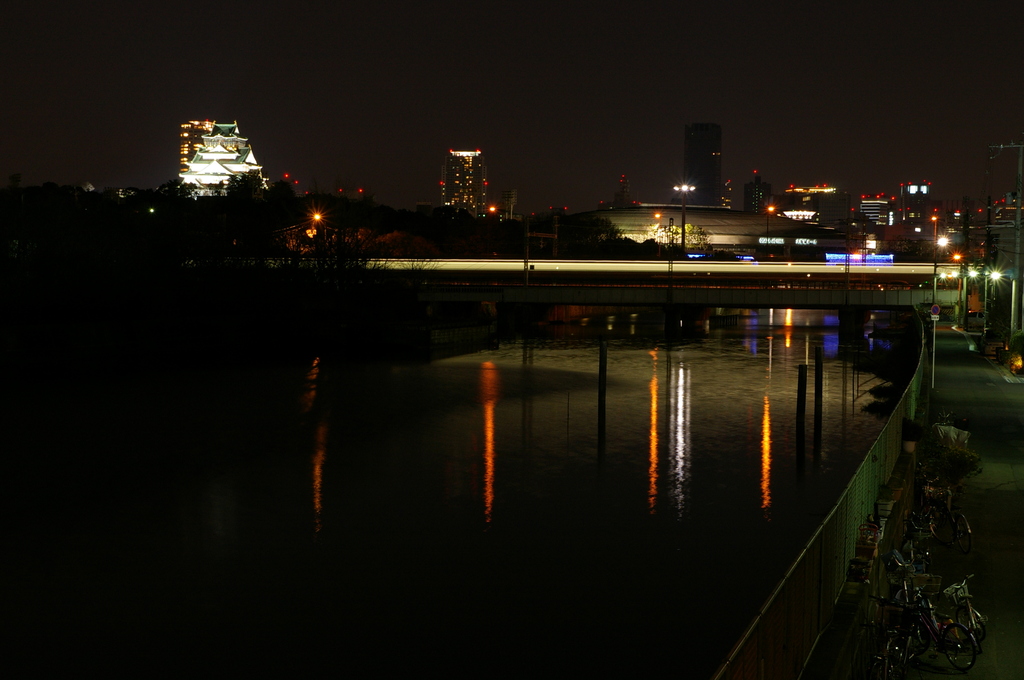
{"points": [[223, 154]]}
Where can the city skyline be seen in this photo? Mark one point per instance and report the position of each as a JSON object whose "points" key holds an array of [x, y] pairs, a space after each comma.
{"points": [[348, 100]]}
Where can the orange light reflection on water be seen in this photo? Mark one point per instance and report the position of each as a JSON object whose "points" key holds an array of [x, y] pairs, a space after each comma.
{"points": [[319, 456], [309, 396], [490, 392], [306, 402], [766, 456], [652, 471]]}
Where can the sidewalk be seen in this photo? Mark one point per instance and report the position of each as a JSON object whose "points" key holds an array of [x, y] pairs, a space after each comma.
{"points": [[992, 400]]}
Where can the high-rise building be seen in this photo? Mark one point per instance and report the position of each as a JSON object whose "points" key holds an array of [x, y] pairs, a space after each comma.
{"points": [[702, 163], [191, 139], [509, 199], [623, 197], [915, 204], [223, 154], [877, 208], [464, 181], [757, 195]]}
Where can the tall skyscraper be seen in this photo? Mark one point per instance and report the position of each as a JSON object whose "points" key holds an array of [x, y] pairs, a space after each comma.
{"points": [[464, 181], [702, 163], [915, 204], [191, 139], [224, 153], [757, 195], [509, 199]]}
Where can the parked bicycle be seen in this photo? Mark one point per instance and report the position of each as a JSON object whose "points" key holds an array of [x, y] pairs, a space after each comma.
{"points": [[891, 657], [915, 539], [966, 614], [947, 525], [946, 417], [926, 629]]}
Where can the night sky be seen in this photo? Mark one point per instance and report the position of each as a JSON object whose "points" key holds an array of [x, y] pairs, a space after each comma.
{"points": [[561, 97]]}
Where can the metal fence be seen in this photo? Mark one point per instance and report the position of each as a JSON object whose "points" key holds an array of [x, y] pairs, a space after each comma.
{"points": [[779, 641]]}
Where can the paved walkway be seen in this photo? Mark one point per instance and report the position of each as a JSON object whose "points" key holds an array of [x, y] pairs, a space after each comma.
{"points": [[972, 386]]}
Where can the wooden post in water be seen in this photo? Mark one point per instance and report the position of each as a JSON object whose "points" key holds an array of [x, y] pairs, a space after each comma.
{"points": [[819, 388], [602, 388], [801, 410]]}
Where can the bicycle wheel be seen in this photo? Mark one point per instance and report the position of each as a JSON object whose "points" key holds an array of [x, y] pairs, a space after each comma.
{"points": [[969, 617], [879, 669], [963, 534], [941, 526], [959, 646], [897, 657], [918, 639]]}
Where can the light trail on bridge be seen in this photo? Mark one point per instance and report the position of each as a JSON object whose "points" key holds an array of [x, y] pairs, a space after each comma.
{"points": [[892, 274]]}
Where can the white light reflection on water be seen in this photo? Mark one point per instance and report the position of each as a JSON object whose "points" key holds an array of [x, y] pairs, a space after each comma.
{"points": [[679, 407]]}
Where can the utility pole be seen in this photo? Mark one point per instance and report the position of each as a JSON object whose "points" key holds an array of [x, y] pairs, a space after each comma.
{"points": [[965, 217], [1017, 288]]}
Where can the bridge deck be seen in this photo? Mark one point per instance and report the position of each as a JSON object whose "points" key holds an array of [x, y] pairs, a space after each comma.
{"points": [[743, 298]]}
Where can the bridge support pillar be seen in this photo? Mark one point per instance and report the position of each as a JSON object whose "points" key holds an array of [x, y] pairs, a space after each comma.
{"points": [[851, 323], [516, 318], [684, 320]]}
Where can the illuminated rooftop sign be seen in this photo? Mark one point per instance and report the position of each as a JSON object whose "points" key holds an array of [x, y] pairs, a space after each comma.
{"points": [[811, 190], [778, 241]]}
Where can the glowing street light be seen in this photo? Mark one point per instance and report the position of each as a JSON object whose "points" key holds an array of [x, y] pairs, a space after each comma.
{"points": [[941, 243], [315, 219], [683, 189]]}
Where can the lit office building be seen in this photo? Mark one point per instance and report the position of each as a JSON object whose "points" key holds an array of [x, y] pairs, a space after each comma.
{"points": [[464, 181], [915, 204], [191, 140], [702, 163], [757, 195], [877, 209], [831, 206], [223, 154]]}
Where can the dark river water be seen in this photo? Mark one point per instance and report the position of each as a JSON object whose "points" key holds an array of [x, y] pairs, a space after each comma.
{"points": [[383, 518]]}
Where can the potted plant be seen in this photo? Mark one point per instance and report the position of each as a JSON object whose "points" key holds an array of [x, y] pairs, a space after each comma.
{"points": [[948, 462], [912, 432]]}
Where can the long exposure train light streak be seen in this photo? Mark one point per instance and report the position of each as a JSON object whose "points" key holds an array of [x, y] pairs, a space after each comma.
{"points": [[879, 271]]}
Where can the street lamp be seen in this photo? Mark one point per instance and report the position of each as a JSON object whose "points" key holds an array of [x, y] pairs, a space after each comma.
{"points": [[683, 189], [659, 232], [768, 212], [993, 277], [941, 243], [314, 220]]}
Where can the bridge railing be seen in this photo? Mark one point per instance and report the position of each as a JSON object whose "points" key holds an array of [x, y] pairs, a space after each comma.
{"points": [[779, 641]]}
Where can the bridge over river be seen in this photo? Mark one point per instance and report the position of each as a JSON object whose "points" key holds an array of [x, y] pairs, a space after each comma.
{"points": [[686, 290]]}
